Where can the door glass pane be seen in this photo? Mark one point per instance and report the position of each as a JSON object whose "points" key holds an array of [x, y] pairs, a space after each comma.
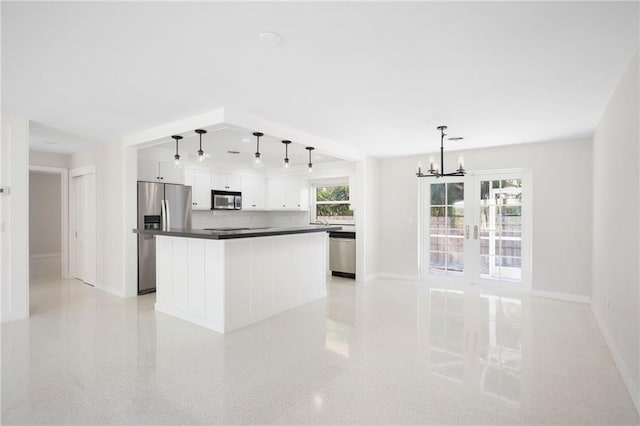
{"points": [[437, 262], [455, 241], [446, 228], [455, 217], [455, 193], [501, 229], [437, 194]]}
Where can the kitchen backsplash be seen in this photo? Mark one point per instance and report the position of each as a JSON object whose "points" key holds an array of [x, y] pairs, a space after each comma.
{"points": [[217, 219]]}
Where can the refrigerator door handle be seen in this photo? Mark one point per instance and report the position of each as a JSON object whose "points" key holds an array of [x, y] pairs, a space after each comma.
{"points": [[163, 214], [168, 210]]}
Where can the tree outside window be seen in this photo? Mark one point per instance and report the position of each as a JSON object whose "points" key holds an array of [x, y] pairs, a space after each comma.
{"points": [[332, 204]]}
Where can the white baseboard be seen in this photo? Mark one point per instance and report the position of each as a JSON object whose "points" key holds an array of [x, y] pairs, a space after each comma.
{"points": [[190, 318], [369, 278], [404, 277], [11, 317], [109, 290], [622, 367], [567, 297]]}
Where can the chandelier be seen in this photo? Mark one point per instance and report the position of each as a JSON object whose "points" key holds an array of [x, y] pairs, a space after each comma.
{"points": [[436, 170]]}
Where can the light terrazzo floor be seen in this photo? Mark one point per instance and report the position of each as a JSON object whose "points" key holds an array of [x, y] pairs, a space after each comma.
{"points": [[385, 352]]}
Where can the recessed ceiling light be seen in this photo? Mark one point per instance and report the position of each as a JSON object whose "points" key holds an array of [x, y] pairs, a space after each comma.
{"points": [[50, 142], [245, 140], [270, 39]]}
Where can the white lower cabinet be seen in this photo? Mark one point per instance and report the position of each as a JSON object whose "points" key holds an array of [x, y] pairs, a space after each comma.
{"points": [[227, 284], [253, 192], [200, 182]]}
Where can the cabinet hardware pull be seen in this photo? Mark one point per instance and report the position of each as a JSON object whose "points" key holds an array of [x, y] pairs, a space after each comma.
{"points": [[466, 232], [475, 232]]}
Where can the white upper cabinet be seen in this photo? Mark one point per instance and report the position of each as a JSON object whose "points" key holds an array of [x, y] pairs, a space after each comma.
{"points": [[200, 182], [159, 171], [148, 171], [225, 181], [253, 192], [286, 193]]}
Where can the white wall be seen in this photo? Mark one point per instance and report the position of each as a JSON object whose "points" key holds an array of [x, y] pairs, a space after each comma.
{"points": [[616, 227], [561, 210], [49, 159], [108, 159], [45, 214], [14, 224], [370, 204]]}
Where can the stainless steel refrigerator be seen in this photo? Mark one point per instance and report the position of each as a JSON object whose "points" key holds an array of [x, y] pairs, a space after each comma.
{"points": [[160, 206]]}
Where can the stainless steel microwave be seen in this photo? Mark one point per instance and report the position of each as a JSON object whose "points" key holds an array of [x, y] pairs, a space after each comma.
{"points": [[226, 200]]}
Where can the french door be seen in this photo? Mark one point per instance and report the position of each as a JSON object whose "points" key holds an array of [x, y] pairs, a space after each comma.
{"points": [[476, 228]]}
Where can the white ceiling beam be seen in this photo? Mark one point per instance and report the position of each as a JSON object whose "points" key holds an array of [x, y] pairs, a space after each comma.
{"points": [[222, 117], [158, 134]]}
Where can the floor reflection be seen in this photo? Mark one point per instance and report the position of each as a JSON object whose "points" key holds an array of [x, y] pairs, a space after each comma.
{"points": [[476, 340]]}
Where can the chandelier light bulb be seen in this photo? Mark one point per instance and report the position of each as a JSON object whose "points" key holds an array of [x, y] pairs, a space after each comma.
{"points": [[286, 163]]}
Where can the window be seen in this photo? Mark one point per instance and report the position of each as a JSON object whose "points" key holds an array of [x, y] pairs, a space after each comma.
{"points": [[331, 204]]}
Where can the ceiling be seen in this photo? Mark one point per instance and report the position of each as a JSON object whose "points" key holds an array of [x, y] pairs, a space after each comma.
{"points": [[219, 141], [376, 76]]}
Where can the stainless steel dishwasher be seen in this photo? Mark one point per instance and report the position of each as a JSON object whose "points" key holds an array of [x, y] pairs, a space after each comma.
{"points": [[342, 254]]}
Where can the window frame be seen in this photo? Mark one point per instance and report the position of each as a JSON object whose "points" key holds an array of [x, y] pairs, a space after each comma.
{"points": [[314, 203]]}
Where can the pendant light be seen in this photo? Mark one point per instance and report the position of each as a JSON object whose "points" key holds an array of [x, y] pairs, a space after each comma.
{"points": [[176, 157], [310, 148], [436, 170], [200, 132], [258, 135], [286, 153]]}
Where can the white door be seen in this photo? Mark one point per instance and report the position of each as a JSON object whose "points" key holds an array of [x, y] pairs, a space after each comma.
{"points": [[444, 224], [80, 218], [84, 235], [477, 228], [501, 228]]}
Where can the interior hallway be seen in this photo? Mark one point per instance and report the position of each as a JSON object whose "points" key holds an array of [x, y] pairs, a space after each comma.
{"points": [[385, 352]]}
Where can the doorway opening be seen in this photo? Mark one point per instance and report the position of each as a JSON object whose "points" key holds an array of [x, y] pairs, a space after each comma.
{"points": [[48, 222]]}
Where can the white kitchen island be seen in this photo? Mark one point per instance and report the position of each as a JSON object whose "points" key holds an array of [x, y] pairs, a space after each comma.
{"points": [[227, 280]]}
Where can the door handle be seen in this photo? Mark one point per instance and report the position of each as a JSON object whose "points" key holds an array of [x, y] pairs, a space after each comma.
{"points": [[466, 232], [163, 213], [475, 232], [168, 210]]}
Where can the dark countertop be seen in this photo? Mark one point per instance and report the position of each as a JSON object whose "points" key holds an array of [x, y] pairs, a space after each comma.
{"points": [[245, 233]]}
